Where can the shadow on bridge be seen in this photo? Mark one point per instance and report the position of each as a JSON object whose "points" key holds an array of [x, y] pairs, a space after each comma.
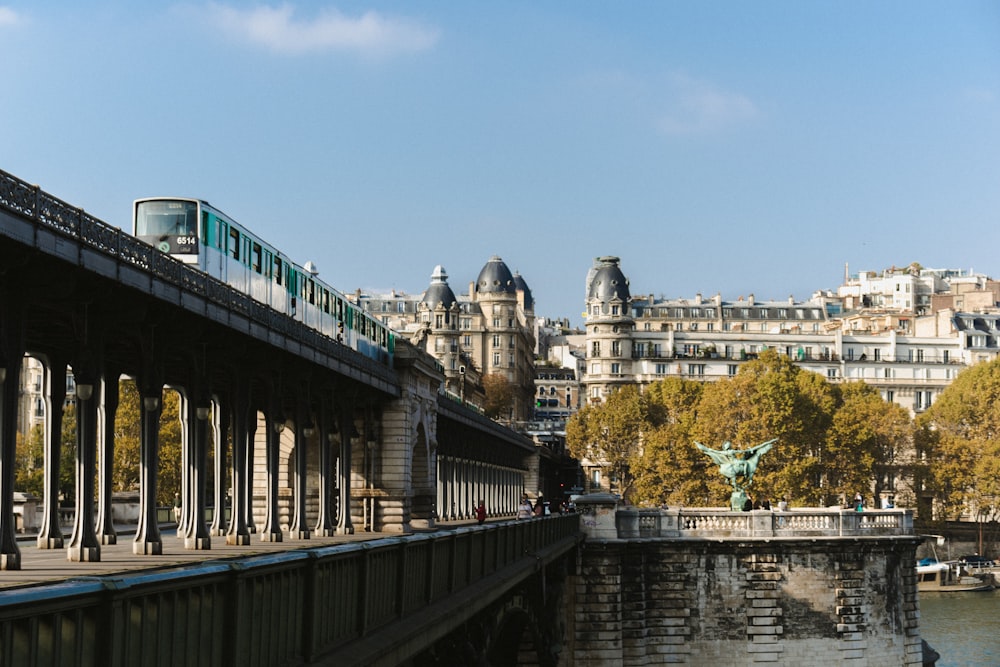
{"points": [[465, 595]]}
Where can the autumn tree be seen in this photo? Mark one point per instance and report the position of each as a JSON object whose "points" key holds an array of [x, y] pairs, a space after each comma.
{"points": [[959, 438], [499, 395], [128, 428], [669, 469], [28, 473], [867, 442], [770, 397], [609, 434]]}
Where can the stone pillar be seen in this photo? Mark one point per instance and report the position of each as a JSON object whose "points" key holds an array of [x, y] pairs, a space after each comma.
{"points": [[54, 395], [11, 354], [83, 544], [303, 431], [597, 516], [272, 523], [196, 535], [238, 533], [106, 411], [345, 524], [147, 535], [220, 427], [324, 521]]}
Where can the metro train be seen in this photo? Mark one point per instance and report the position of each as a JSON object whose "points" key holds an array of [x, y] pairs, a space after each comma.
{"points": [[202, 236]]}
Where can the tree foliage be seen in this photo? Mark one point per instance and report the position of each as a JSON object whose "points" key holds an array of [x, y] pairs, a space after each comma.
{"points": [[499, 395], [958, 439], [128, 428], [608, 434], [831, 441]]}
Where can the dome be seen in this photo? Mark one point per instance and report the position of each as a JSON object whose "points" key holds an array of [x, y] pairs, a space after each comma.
{"points": [[495, 278], [608, 282], [520, 284], [439, 293]]}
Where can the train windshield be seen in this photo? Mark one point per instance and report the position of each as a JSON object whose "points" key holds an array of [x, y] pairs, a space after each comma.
{"points": [[170, 225]]}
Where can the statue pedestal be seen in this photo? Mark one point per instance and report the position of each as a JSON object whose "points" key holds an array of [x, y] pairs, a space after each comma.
{"points": [[737, 501]]}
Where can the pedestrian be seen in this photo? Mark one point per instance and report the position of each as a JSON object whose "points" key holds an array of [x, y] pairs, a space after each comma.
{"points": [[747, 504], [481, 512], [783, 504], [539, 506], [524, 509], [859, 502]]}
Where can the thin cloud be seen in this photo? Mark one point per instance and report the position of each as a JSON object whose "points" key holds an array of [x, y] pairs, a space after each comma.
{"points": [[8, 17], [698, 107], [278, 29]]}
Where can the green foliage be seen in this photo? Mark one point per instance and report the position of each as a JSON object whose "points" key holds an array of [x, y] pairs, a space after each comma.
{"points": [[957, 437], [831, 441], [128, 428], [30, 462]]}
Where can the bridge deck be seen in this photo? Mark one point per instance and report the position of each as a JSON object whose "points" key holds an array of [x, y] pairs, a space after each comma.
{"points": [[41, 566]]}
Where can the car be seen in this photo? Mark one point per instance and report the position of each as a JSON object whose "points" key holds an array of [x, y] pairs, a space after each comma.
{"points": [[930, 560], [975, 560]]}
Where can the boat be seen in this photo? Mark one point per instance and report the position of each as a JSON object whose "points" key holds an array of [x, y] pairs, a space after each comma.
{"points": [[952, 578]]}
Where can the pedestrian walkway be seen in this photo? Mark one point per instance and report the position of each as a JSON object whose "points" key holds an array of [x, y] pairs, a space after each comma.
{"points": [[40, 566]]}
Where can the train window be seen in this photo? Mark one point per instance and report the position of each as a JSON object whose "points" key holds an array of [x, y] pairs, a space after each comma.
{"points": [[246, 251], [277, 270], [255, 257], [311, 291], [206, 229], [268, 264], [326, 301], [234, 243]]}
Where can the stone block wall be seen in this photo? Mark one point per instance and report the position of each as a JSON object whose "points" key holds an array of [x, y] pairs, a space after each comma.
{"points": [[815, 601]]}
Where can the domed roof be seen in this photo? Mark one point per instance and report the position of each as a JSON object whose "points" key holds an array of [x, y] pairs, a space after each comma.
{"points": [[495, 278], [520, 284], [608, 281], [439, 293]]}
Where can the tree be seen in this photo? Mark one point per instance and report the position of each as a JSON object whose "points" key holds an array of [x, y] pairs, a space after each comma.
{"points": [[609, 434], [866, 442], [670, 470], [499, 395], [128, 427], [769, 398], [28, 477], [959, 438]]}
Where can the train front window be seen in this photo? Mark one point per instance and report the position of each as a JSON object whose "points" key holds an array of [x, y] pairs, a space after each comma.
{"points": [[166, 218]]}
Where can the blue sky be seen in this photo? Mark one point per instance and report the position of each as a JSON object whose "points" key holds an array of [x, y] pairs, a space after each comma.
{"points": [[731, 147]]}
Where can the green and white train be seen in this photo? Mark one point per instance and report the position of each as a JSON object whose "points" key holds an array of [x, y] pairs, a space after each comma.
{"points": [[200, 235]]}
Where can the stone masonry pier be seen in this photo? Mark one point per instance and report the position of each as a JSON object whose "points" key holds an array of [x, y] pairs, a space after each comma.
{"points": [[715, 587]]}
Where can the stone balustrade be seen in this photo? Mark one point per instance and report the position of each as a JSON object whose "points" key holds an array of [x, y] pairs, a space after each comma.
{"points": [[604, 518]]}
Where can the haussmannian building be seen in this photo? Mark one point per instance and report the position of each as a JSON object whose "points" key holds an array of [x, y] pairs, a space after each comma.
{"points": [[488, 330], [884, 332]]}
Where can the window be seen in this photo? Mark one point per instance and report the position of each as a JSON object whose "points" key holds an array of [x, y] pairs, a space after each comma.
{"points": [[696, 369], [616, 348], [920, 355], [661, 369], [831, 373], [595, 369], [234, 243], [944, 356], [595, 348], [496, 358], [616, 369], [877, 354], [614, 310], [255, 258], [710, 326], [496, 341], [890, 395], [732, 369], [694, 326], [467, 341]]}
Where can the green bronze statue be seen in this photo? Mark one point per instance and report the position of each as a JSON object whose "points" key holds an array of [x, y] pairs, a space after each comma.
{"points": [[738, 466]]}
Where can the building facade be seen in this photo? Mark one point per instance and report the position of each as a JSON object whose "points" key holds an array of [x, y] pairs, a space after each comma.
{"points": [[910, 358], [488, 331]]}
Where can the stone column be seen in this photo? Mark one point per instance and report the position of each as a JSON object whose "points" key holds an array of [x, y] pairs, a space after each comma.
{"points": [[272, 524], [238, 533], [83, 543], [196, 535], [147, 535], [324, 524], [11, 354], [106, 410], [54, 396], [303, 431], [220, 427], [345, 524]]}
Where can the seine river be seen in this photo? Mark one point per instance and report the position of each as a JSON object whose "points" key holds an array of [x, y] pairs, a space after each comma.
{"points": [[963, 627]]}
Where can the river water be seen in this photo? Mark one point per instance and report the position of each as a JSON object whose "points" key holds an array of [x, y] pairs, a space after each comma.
{"points": [[963, 627]]}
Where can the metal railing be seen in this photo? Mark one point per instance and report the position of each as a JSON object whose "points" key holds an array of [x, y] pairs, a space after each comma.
{"points": [[286, 608]]}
